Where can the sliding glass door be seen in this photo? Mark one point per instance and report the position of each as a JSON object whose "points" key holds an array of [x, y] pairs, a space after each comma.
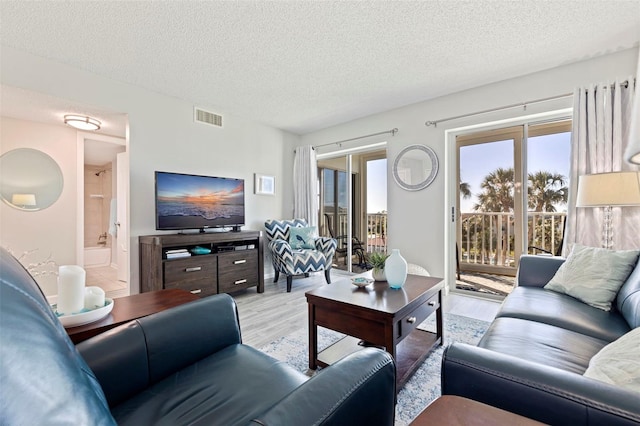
{"points": [[512, 194], [350, 186]]}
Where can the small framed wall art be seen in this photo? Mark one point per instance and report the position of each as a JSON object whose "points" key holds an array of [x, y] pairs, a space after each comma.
{"points": [[264, 184]]}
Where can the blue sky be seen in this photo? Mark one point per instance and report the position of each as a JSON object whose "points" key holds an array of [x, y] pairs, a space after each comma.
{"points": [[377, 186], [549, 153]]}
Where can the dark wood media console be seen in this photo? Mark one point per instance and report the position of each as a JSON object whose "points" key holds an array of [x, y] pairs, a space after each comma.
{"points": [[236, 262]]}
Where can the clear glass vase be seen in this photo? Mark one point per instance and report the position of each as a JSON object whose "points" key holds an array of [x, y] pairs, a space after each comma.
{"points": [[395, 269]]}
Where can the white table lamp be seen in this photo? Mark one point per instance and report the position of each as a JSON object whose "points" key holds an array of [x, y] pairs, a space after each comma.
{"points": [[608, 190]]}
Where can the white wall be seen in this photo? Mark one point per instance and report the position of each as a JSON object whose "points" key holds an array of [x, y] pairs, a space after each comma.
{"points": [[163, 136], [52, 231], [417, 220]]}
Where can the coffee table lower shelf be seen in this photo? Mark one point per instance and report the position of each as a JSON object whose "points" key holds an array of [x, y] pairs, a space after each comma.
{"points": [[410, 352]]}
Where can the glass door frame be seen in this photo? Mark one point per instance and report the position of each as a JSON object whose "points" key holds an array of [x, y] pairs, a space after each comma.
{"points": [[451, 211], [356, 192]]}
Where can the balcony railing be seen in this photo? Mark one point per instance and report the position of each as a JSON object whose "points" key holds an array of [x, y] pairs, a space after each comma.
{"points": [[487, 240], [376, 232], [376, 239]]}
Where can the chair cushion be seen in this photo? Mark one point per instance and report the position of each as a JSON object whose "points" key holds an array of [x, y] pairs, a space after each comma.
{"points": [[305, 260], [227, 388], [560, 310], [594, 275], [541, 343]]}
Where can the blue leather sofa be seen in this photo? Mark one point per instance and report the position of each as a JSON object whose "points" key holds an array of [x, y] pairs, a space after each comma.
{"points": [[532, 358], [186, 365]]}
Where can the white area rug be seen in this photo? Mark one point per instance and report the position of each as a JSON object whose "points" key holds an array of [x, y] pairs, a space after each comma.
{"points": [[424, 385]]}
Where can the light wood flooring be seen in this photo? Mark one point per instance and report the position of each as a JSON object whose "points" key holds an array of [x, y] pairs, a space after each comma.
{"points": [[275, 313]]}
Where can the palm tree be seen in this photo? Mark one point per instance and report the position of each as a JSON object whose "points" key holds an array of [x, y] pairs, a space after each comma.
{"points": [[465, 190], [497, 192], [546, 190]]}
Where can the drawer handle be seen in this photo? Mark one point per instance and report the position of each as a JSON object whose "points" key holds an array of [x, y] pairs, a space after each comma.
{"points": [[432, 303], [197, 291], [240, 282], [240, 262], [411, 320], [193, 269]]}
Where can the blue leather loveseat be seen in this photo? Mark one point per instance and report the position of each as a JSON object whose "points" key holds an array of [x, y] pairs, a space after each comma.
{"points": [[532, 359], [186, 365]]}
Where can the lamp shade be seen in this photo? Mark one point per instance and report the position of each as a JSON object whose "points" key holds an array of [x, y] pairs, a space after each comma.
{"points": [[609, 189], [23, 200], [632, 153]]}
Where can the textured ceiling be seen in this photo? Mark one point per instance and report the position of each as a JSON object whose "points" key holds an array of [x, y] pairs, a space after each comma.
{"points": [[303, 66]]}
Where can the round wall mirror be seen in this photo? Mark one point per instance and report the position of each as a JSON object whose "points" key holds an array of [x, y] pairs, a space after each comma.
{"points": [[415, 167], [30, 180]]}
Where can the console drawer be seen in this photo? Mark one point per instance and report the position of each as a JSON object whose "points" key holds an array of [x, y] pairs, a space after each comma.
{"points": [[237, 270], [189, 269], [410, 321], [202, 287]]}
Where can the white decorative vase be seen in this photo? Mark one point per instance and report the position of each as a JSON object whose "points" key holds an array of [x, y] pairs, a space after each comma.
{"points": [[378, 274], [395, 269]]}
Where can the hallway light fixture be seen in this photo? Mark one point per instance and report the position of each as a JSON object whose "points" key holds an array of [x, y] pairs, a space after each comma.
{"points": [[82, 122]]}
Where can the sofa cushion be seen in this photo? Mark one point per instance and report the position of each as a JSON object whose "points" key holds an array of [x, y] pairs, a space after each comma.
{"points": [[560, 310], [628, 300], [229, 387], [594, 275], [618, 363], [541, 343]]}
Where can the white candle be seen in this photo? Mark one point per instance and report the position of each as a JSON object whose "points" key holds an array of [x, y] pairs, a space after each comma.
{"points": [[93, 298], [71, 279]]}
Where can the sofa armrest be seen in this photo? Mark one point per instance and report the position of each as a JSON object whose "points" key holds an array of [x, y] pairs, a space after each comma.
{"points": [[158, 345], [537, 391], [537, 271], [358, 389]]}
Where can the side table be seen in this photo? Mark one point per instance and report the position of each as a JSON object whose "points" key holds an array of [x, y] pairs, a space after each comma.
{"points": [[132, 307]]}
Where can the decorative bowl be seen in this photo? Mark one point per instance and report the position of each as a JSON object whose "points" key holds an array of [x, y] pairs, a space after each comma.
{"points": [[85, 316], [361, 281]]}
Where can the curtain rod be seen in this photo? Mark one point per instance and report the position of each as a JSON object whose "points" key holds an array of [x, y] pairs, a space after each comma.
{"points": [[522, 104], [392, 131]]}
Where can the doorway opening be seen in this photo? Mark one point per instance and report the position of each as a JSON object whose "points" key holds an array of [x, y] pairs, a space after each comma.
{"points": [[104, 253]]}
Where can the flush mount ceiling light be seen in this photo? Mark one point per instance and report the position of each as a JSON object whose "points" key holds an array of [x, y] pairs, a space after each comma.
{"points": [[82, 122]]}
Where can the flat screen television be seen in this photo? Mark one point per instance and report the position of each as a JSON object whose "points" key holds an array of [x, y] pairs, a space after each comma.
{"points": [[185, 201]]}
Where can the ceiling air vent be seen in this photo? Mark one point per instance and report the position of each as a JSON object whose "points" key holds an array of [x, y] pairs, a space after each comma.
{"points": [[206, 117]]}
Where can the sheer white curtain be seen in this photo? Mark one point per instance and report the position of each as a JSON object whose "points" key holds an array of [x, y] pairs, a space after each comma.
{"points": [[305, 184], [601, 126]]}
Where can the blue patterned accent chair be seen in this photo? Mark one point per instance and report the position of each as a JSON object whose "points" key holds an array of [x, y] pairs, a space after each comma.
{"points": [[291, 261]]}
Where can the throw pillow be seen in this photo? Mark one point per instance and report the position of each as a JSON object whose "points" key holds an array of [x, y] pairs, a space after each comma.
{"points": [[302, 238], [618, 363], [593, 275]]}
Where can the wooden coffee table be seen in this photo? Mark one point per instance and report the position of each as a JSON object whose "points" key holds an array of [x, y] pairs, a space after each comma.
{"points": [[377, 315], [132, 307], [457, 411]]}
